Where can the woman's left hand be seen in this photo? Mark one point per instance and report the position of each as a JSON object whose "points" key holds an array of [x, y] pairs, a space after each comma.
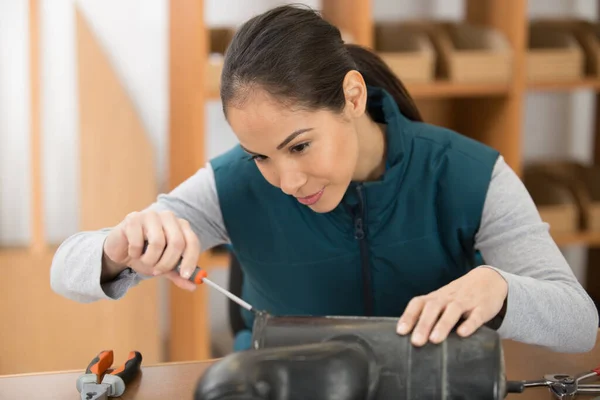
{"points": [[477, 296]]}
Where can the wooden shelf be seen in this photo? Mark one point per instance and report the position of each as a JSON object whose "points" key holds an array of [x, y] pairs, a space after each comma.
{"points": [[439, 89], [586, 83], [442, 89], [591, 239]]}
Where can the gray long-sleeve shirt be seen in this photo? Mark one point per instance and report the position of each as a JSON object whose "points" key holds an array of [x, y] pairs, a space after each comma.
{"points": [[546, 304]]}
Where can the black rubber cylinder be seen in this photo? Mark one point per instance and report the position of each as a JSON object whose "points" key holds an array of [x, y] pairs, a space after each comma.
{"points": [[338, 369], [458, 368]]}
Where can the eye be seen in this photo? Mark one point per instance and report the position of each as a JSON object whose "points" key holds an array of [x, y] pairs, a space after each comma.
{"points": [[257, 158], [299, 148]]}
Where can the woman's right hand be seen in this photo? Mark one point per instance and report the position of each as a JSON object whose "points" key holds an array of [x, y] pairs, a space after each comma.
{"points": [[169, 239]]}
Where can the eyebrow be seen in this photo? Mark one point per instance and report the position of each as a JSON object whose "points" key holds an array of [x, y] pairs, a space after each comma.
{"points": [[287, 140], [292, 137]]}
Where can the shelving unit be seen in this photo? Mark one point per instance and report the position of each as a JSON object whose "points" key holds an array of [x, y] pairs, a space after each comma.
{"points": [[492, 113], [441, 90], [586, 83]]}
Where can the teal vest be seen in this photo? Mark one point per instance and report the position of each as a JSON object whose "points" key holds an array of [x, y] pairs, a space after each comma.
{"points": [[407, 234]]}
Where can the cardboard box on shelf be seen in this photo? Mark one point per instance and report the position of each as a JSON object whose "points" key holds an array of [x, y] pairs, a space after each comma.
{"points": [[553, 53], [407, 50], [473, 53]]}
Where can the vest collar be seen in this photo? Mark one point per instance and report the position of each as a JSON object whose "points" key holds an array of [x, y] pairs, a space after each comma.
{"points": [[383, 109], [380, 194]]}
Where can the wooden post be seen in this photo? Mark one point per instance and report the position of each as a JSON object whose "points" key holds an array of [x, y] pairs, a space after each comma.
{"points": [[593, 256], [597, 132], [497, 121], [189, 330], [38, 241], [353, 17], [188, 56]]}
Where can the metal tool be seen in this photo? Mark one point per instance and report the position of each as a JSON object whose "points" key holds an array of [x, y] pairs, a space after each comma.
{"points": [[99, 384], [203, 278], [562, 386], [199, 276]]}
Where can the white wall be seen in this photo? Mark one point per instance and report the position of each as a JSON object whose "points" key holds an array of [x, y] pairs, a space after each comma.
{"points": [[14, 123], [59, 119], [135, 39]]}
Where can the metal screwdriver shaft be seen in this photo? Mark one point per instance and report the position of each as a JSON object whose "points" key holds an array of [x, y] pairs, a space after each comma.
{"points": [[199, 276], [228, 294]]}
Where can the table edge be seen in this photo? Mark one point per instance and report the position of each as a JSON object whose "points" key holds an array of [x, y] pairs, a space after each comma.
{"points": [[71, 371]]}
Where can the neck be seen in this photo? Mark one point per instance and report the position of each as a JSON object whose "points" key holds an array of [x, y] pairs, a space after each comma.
{"points": [[372, 145]]}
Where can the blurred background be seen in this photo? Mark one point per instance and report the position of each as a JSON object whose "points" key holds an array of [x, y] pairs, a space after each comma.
{"points": [[105, 104]]}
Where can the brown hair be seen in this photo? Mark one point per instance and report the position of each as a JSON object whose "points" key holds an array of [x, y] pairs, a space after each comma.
{"points": [[299, 58]]}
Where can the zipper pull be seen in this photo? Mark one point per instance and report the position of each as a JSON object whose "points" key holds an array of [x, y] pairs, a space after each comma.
{"points": [[360, 196], [359, 232]]}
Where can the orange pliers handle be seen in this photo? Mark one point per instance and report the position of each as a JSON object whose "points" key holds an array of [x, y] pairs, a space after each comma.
{"points": [[101, 363]]}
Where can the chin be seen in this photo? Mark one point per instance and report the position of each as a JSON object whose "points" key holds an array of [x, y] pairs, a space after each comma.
{"points": [[320, 209], [325, 204]]}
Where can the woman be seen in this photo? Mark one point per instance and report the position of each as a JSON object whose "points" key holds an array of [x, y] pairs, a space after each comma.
{"points": [[339, 200]]}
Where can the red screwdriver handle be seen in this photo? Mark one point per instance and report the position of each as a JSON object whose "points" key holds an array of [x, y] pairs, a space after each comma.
{"points": [[130, 368], [198, 275]]}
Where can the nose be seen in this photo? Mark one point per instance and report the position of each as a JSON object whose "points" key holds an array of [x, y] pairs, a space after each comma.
{"points": [[290, 181]]}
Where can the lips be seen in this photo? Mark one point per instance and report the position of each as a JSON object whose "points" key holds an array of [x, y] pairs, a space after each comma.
{"points": [[312, 199]]}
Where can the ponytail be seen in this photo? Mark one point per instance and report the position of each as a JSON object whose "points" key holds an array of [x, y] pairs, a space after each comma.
{"points": [[377, 73]]}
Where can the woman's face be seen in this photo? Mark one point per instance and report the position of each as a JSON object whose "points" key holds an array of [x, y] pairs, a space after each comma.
{"points": [[311, 155]]}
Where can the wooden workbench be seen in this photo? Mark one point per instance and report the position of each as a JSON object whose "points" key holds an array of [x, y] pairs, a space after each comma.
{"points": [[178, 380]]}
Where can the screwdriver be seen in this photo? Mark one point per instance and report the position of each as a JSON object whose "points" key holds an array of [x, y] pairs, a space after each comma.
{"points": [[199, 276]]}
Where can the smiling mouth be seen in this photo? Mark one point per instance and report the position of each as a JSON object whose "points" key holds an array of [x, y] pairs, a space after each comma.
{"points": [[312, 199]]}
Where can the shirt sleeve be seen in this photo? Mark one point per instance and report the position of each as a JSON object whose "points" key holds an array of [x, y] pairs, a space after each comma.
{"points": [[546, 305], [77, 263]]}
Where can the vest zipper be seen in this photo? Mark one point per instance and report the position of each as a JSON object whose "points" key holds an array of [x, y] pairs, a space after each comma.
{"points": [[359, 234]]}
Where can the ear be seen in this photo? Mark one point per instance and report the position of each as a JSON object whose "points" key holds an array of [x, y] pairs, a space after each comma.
{"points": [[355, 92]]}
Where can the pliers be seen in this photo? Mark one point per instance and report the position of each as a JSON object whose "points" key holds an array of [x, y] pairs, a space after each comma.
{"points": [[99, 384], [563, 387]]}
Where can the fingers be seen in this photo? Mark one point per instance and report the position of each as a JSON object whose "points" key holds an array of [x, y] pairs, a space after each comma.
{"points": [[479, 296], [135, 236], [429, 316], [153, 230], [191, 252], [140, 267], [411, 315], [474, 321], [183, 283], [422, 316], [175, 243], [447, 321], [170, 241]]}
